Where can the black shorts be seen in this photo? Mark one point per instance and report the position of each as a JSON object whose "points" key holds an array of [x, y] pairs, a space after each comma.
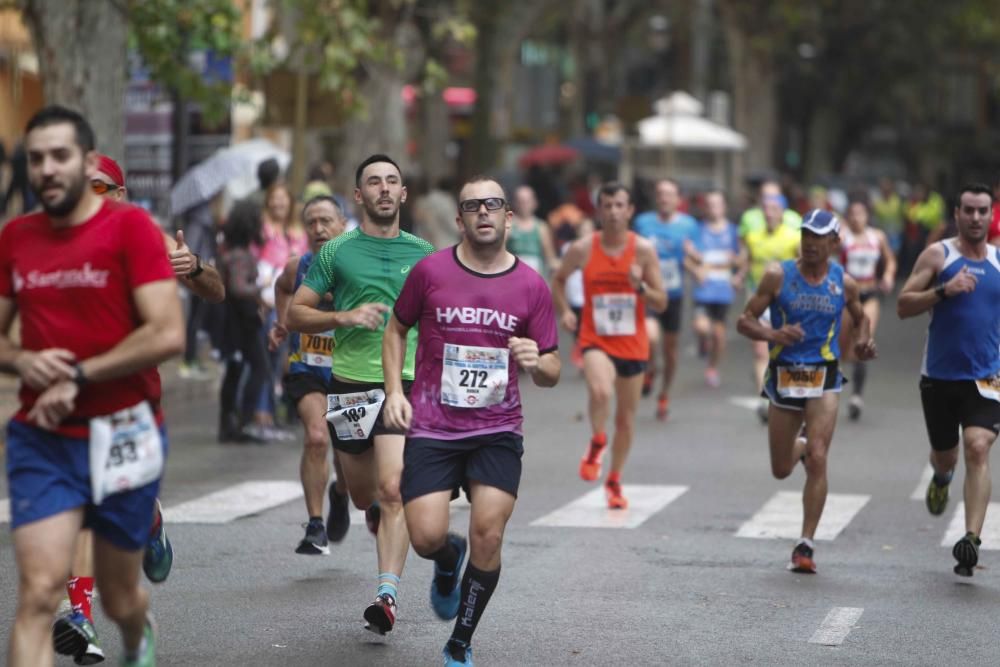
{"points": [[670, 319], [866, 296], [431, 465], [716, 312], [624, 368], [834, 381], [361, 446], [298, 385], [950, 404]]}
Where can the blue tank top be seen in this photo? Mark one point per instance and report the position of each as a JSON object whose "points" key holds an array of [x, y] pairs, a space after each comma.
{"points": [[816, 308], [717, 249], [963, 338], [299, 360], [669, 238]]}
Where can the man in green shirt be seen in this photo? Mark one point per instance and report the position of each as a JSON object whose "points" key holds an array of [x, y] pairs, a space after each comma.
{"points": [[364, 270]]}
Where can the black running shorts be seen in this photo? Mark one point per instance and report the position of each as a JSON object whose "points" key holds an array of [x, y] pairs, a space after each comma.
{"points": [[716, 312], [950, 404], [431, 465], [361, 446], [298, 385], [670, 319], [624, 368]]}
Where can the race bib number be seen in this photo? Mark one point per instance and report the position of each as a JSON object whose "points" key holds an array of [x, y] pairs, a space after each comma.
{"points": [[614, 314], [801, 381], [126, 451], [474, 377], [316, 350], [861, 264], [717, 264], [670, 269], [353, 415], [990, 387]]}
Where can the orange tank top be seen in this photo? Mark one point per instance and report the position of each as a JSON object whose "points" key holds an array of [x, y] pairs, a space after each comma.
{"points": [[614, 315]]}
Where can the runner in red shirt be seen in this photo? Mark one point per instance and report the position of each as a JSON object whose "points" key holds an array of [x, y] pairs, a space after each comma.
{"points": [[994, 234], [99, 310]]}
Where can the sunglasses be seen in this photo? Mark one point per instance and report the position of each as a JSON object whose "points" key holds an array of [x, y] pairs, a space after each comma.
{"points": [[491, 204], [102, 187]]}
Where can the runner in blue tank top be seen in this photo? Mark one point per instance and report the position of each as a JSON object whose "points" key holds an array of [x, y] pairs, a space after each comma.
{"points": [[958, 281], [306, 384], [806, 298]]}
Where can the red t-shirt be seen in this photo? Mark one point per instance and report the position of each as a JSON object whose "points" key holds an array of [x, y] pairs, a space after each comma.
{"points": [[995, 225], [73, 289]]}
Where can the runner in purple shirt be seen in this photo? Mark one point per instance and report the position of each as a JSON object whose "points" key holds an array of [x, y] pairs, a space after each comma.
{"points": [[482, 314]]}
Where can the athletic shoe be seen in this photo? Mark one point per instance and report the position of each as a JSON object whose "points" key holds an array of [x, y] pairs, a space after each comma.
{"points": [[616, 500], [445, 599], [712, 378], [315, 542], [576, 356], [937, 498], [647, 384], [662, 407], [373, 515], [854, 407], [74, 635], [339, 518], [381, 614], [193, 371], [802, 559], [159, 555], [147, 649], [457, 654], [966, 552], [590, 465]]}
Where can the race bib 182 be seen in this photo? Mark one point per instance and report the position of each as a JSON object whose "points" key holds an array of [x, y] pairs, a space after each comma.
{"points": [[353, 415]]}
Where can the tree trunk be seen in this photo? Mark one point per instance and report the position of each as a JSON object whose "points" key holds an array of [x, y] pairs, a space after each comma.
{"points": [[755, 90], [83, 63], [482, 145], [381, 130]]}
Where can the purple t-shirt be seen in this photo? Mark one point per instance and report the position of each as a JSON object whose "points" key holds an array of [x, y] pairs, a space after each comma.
{"points": [[466, 381]]}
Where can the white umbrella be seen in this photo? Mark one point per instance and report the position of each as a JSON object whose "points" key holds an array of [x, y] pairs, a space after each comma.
{"points": [[678, 123], [233, 168]]}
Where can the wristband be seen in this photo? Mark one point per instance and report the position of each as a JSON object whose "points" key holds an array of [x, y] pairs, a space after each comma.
{"points": [[641, 289], [198, 268], [939, 291]]}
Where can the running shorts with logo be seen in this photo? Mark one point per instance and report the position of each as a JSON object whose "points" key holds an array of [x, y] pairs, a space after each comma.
{"points": [[310, 356], [467, 422], [960, 374], [809, 368], [670, 239], [613, 313]]}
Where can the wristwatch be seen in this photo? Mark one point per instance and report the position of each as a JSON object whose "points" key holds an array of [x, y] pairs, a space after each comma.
{"points": [[198, 268], [641, 289], [78, 377], [939, 291]]}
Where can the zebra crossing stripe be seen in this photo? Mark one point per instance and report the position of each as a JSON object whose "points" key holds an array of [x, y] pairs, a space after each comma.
{"points": [[781, 516], [991, 527], [921, 491], [234, 502], [836, 626], [591, 510]]}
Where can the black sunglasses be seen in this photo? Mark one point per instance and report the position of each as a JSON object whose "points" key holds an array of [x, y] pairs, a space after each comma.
{"points": [[491, 203]]}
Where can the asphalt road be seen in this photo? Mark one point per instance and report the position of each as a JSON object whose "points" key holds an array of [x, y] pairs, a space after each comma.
{"points": [[680, 588]]}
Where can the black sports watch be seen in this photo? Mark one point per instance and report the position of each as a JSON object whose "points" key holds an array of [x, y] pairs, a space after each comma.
{"points": [[78, 377], [198, 268], [941, 294]]}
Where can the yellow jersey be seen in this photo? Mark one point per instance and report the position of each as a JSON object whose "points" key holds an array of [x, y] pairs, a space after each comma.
{"points": [[766, 247]]}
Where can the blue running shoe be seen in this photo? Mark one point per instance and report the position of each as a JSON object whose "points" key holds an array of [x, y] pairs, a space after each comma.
{"points": [[446, 594], [159, 555], [457, 654], [74, 635]]}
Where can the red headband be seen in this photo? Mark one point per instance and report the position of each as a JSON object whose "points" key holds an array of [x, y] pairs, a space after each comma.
{"points": [[107, 166]]}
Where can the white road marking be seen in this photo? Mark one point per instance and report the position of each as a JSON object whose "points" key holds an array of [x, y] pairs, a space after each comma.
{"points": [[836, 626], [781, 516], [234, 502], [591, 510], [748, 402], [991, 528], [5, 510], [920, 492]]}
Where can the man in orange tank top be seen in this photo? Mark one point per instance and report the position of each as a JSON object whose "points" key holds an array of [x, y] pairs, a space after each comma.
{"points": [[621, 278]]}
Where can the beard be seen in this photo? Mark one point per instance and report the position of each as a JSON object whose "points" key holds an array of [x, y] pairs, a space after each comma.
{"points": [[498, 241], [73, 195], [379, 217]]}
